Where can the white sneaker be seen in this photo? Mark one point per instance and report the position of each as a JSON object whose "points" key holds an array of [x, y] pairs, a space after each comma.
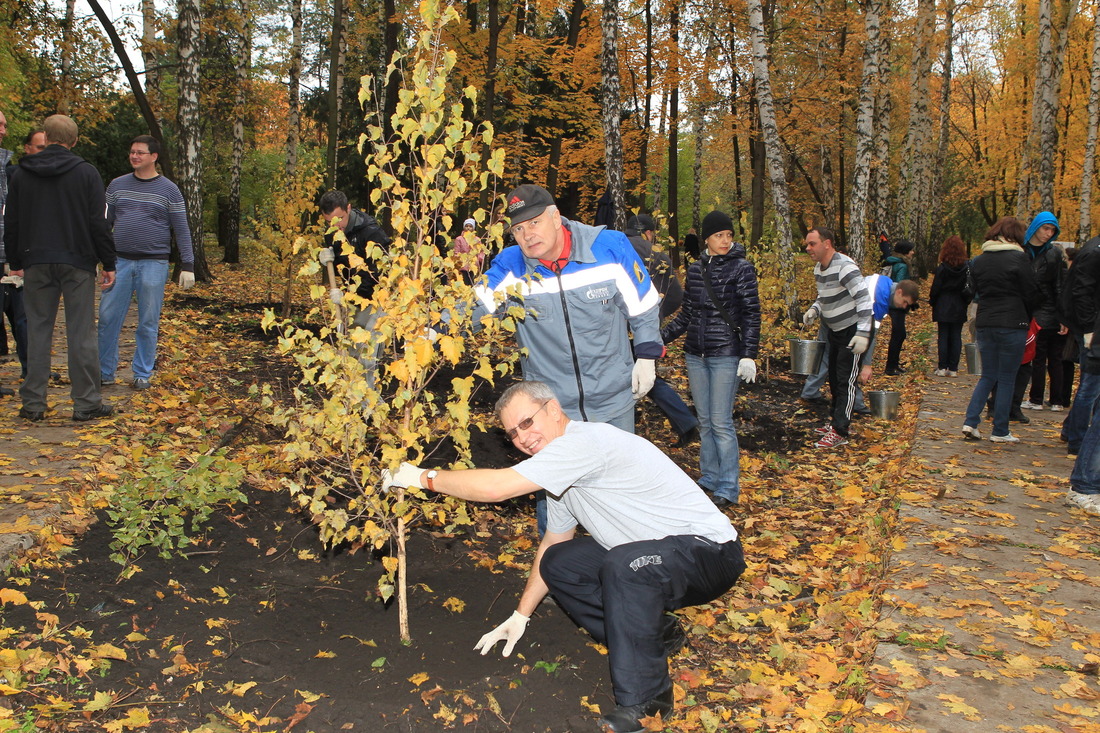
{"points": [[1089, 502], [952, 374], [941, 372], [1056, 408], [971, 433], [1026, 405], [1010, 438]]}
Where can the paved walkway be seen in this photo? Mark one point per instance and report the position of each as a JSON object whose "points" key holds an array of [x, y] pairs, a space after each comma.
{"points": [[993, 610]]}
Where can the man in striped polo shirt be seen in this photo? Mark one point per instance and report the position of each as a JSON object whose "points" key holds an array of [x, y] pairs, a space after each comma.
{"points": [[144, 210], [845, 310]]}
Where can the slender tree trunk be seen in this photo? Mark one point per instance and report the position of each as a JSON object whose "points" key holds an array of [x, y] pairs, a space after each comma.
{"points": [[149, 47], [658, 182], [865, 132], [674, 123], [190, 126], [576, 14], [335, 91], [1048, 130], [647, 105], [1088, 172], [927, 262], [916, 180], [1044, 72], [147, 114], [67, 88], [770, 128], [390, 36], [757, 159], [242, 67], [881, 205], [490, 94], [613, 141], [697, 165], [294, 91]]}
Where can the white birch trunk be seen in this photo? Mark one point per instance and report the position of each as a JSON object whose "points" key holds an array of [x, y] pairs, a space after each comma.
{"points": [[612, 136], [1088, 172], [773, 152], [865, 132], [916, 183], [1044, 70], [1048, 130], [190, 126]]}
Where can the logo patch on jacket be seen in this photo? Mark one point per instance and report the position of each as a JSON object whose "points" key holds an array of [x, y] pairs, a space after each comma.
{"points": [[638, 272], [598, 293]]}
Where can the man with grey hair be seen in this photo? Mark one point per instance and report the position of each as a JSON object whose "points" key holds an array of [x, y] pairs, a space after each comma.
{"points": [[654, 541], [56, 234]]}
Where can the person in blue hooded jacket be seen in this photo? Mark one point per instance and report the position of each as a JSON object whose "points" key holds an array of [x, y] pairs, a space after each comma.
{"points": [[1049, 263]]}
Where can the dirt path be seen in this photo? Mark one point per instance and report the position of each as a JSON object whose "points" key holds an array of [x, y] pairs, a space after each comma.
{"points": [[993, 612], [41, 463]]}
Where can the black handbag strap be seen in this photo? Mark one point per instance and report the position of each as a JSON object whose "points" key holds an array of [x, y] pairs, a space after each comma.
{"points": [[717, 303]]}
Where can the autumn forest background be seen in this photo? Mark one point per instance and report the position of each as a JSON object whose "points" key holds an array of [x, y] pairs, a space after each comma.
{"points": [[909, 119]]}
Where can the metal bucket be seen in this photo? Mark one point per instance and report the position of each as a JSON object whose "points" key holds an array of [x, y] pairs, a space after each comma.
{"points": [[806, 356], [973, 359], [884, 404]]}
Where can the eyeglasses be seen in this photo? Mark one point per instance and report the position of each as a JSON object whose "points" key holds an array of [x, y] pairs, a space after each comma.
{"points": [[524, 424], [140, 152]]}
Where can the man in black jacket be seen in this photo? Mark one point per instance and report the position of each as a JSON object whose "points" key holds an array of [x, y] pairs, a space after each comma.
{"points": [[357, 233], [1081, 310], [56, 234], [641, 230]]}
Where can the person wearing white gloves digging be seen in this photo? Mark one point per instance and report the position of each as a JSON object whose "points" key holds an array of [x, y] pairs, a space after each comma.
{"points": [[654, 541]]}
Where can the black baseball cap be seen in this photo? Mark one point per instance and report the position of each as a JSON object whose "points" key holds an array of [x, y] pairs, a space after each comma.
{"points": [[527, 202]]}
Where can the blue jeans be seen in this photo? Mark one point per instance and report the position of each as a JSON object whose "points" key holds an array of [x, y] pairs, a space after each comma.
{"points": [[1079, 417], [1085, 477], [625, 422], [714, 385], [146, 279], [669, 402], [1001, 350]]}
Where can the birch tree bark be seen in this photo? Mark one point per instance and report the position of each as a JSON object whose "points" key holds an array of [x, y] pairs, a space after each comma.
{"points": [[865, 131], [149, 51], [1048, 130], [1088, 170], [770, 129], [190, 127], [294, 91], [242, 65], [916, 180], [67, 87], [674, 123], [942, 145], [612, 137], [1044, 70]]}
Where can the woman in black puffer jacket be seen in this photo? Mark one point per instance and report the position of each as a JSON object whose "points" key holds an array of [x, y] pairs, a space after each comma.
{"points": [[720, 349]]}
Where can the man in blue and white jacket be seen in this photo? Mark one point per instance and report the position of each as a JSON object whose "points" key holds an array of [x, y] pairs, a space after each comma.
{"points": [[584, 292]]}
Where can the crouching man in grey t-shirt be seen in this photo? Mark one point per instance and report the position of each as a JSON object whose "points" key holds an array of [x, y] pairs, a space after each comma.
{"points": [[656, 542]]}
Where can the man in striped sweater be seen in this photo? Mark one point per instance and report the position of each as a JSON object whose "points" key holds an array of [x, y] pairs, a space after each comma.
{"points": [[845, 310], [144, 210]]}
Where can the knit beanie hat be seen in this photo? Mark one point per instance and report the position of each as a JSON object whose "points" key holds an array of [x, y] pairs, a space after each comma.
{"points": [[715, 221]]}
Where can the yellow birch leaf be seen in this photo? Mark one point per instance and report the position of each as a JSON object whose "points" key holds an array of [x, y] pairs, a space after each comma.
{"points": [[419, 678], [454, 605], [12, 596]]}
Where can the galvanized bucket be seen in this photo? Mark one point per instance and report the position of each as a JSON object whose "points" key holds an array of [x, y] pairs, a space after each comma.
{"points": [[884, 404], [973, 359], [806, 356]]}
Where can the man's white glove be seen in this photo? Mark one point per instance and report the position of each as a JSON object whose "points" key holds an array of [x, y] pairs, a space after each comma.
{"points": [[858, 344], [642, 378], [810, 316], [746, 370], [336, 295], [407, 475], [1088, 340], [326, 256], [509, 632], [187, 280]]}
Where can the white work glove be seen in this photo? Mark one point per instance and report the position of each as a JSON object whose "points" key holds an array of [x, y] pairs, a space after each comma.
{"points": [[746, 370], [336, 295], [509, 632], [859, 344], [187, 280], [326, 256], [1088, 340], [810, 316], [407, 475], [642, 378]]}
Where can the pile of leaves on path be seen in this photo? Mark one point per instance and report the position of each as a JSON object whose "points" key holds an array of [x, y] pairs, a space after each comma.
{"points": [[786, 649]]}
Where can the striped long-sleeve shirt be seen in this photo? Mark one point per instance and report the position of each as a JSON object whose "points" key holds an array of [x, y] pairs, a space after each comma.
{"points": [[144, 213], [842, 297]]}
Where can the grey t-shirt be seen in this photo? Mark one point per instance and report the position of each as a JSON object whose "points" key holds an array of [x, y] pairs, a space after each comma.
{"points": [[621, 488]]}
